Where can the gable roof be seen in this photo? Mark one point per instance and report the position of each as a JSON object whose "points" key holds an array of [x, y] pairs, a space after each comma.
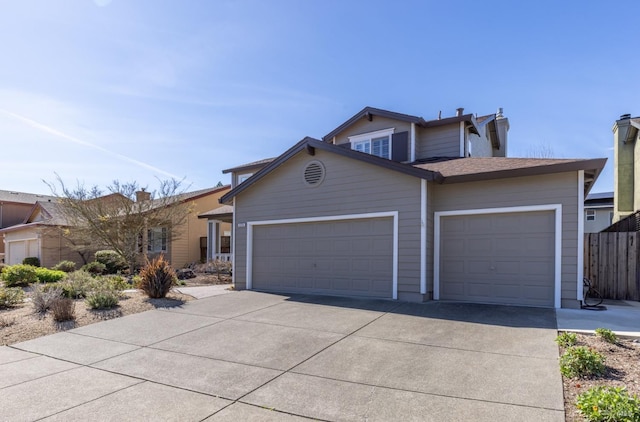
{"points": [[369, 112], [51, 212], [310, 144], [23, 197], [444, 170], [248, 166]]}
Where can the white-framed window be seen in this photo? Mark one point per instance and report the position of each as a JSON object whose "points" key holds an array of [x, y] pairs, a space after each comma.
{"points": [[375, 143], [591, 215], [243, 177], [157, 239]]}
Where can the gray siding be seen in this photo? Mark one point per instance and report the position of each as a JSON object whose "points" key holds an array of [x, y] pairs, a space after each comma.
{"points": [[602, 221], [349, 187], [443, 141], [479, 146], [537, 190], [366, 126]]}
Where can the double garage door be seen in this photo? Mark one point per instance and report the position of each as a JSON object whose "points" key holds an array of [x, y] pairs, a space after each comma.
{"points": [[343, 257], [498, 258]]}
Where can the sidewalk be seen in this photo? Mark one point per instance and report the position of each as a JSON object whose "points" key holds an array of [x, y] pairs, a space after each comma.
{"points": [[621, 317]]}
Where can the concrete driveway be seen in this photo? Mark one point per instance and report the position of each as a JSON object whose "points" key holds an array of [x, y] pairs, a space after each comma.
{"points": [[257, 356]]}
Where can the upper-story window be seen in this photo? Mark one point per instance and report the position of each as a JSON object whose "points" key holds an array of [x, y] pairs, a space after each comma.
{"points": [[375, 143], [591, 215], [243, 177]]}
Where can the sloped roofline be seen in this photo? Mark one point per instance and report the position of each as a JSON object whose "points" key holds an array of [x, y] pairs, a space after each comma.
{"points": [[310, 144], [592, 168], [372, 111]]}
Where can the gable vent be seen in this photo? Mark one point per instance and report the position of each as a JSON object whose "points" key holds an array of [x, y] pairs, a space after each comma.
{"points": [[313, 173]]}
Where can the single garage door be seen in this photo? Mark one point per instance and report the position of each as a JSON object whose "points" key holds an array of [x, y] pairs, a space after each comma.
{"points": [[20, 249], [344, 257], [498, 258]]}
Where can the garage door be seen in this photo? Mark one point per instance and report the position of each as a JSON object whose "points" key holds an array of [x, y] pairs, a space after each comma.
{"points": [[498, 258], [345, 257], [20, 249]]}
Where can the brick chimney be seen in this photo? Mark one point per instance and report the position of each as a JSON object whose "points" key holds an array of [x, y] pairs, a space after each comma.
{"points": [[143, 195]]}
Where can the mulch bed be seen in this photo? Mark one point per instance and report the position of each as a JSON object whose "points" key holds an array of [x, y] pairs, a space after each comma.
{"points": [[622, 361]]}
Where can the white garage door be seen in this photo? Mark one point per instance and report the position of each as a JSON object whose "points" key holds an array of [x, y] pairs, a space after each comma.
{"points": [[498, 258], [20, 249], [345, 257]]}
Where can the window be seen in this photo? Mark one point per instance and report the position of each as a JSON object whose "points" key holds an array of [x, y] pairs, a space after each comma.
{"points": [[243, 177], [157, 239], [591, 215], [376, 143]]}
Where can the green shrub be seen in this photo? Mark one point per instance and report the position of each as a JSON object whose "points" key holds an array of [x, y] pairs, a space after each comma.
{"points": [[31, 260], [94, 267], [609, 404], [63, 309], [2, 267], [102, 299], [566, 339], [78, 284], [46, 275], [19, 275], [43, 296], [607, 335], [10, 296], [157, 278], [112, 261], [114, 282], [580, 361], [66, 266]]}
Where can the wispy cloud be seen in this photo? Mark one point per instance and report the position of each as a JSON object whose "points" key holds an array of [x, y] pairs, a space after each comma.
{"points": [[52, 131]]}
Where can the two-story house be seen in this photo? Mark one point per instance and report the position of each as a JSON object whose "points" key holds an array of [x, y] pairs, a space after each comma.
{"points": [[390, 205]]}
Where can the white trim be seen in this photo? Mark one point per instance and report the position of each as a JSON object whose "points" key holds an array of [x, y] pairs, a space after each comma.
{"points": [[423, 236], [233, 244], [557, 208], [368, 138], [580, 268], [375, 134], [251, 224], [462, 148], [412, 143], [588, 211], [246, 175]]}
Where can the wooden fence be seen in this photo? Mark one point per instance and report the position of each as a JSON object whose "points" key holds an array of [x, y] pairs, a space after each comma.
{"points": [[612, 263]]}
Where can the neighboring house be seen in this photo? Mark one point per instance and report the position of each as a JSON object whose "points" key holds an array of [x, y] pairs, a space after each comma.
{"points": [[41, 233], [218, 232], [626, 170], [192, 244], [598, 211], [393, 206], [14, 208]]}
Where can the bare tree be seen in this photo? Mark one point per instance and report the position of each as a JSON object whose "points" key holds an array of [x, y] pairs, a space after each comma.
{"points": [[120, 217], [540, 151]]}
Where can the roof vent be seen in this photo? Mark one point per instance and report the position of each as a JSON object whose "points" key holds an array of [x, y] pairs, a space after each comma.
{"points": [[459, 111], [313, 173], [625, 116]]}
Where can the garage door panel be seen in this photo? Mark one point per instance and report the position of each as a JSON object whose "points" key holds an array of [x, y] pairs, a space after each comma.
{"points": [[499, 258], [478, 246], [350, 257]]}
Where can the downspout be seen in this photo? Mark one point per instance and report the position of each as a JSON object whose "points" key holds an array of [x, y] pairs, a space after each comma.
{"points": [[463, 148], [580, 269], [423, 237], [412, 142]]}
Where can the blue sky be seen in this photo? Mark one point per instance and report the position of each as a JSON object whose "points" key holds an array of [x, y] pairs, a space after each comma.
{"points": [[97, 90]]}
